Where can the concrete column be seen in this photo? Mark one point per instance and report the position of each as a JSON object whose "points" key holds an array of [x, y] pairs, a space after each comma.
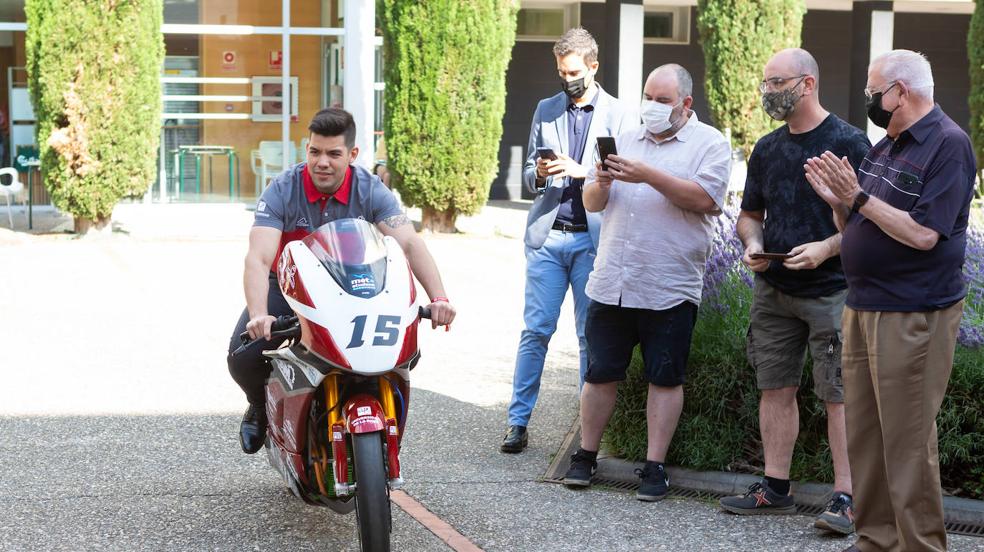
{"points": [[285, 91], [872, 33], [630, 53], [882, 35], [359, 72], [622, 58]]}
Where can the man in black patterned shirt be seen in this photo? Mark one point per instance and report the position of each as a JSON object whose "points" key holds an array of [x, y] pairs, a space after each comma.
{"points": [[798, 301]]}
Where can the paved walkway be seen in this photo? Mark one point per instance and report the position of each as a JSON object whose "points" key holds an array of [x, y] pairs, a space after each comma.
{"points": [[119, 419]]}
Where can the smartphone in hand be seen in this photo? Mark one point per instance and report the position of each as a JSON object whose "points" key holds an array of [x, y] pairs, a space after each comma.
{"points": [[546, 153], [606, 147], [771, 256]]}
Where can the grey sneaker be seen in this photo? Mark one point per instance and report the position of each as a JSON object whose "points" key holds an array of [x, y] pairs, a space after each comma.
{"points": [[654, 482], [757, 500], [838, 516]]}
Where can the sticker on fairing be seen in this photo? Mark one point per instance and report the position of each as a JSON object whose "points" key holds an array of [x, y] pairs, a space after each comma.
{"points": [[363, 282], [363, 411]]}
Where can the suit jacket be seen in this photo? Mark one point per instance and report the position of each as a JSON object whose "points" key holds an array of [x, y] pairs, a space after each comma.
{"points": [[549, 129]]}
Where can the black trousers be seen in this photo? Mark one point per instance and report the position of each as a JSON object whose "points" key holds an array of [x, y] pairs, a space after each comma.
{"points": [[250, 368]]}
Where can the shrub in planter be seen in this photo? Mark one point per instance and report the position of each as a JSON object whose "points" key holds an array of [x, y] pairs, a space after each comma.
{"points": [[719, 426]]}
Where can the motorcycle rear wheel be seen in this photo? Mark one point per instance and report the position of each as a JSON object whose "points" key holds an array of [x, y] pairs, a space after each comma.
{"points": [[372, 507]]}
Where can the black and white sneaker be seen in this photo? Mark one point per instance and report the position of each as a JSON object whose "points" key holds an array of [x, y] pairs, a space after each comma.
{"points": [[654, 482], [582, 468]]}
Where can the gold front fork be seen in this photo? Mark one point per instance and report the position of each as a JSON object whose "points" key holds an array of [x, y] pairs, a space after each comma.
{"points": [[386, 394], [331, 400]]}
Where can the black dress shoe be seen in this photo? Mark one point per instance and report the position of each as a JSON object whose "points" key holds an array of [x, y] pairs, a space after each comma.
{"points": [[252, 432], [515, 440]]}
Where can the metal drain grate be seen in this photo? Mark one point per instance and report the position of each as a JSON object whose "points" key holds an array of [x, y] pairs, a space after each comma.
{"points": [[967, 529], [555, 474]]}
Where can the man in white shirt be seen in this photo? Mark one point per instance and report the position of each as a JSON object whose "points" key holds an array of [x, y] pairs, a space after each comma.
{"points": [[659, 194]]}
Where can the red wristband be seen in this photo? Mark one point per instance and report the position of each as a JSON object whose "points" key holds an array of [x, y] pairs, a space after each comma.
{"points": [[440, 300]]}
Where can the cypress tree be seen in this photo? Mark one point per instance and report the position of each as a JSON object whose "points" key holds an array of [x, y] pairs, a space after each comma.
{"points": [[738, 38], [445, 96], [93, 71], [975, 54]]}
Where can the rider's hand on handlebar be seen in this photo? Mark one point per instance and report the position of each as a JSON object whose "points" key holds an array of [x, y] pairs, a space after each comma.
{"points": [[442, 313], [260, 326]]}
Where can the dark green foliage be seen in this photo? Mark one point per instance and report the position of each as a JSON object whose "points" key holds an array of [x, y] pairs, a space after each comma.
{"points": [[445, 96], [975, 55], [738, 38], [94, 69], [719, 428]]}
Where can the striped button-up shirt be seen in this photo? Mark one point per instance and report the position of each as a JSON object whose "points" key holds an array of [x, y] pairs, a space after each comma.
{"points": [[652, 253]]}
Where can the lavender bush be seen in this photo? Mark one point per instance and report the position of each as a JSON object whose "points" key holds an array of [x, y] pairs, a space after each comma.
{"points": [[972, 325], [719, 426]]}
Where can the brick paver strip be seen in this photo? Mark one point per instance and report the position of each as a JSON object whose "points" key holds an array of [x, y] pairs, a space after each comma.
{"points": [[434, 524]]}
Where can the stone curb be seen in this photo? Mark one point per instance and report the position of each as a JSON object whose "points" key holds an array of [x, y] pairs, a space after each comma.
{"points": [[956, 510]]}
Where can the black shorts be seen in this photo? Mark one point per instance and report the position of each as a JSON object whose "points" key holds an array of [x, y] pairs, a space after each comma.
{"points": [[613, 332]]}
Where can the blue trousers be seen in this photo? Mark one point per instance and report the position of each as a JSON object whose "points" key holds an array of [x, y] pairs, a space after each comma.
{"points": [[565, 259]]}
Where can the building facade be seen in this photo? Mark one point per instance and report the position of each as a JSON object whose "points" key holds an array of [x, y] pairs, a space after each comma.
{"points": [[227, 125], [227, 129], [843, 35]]}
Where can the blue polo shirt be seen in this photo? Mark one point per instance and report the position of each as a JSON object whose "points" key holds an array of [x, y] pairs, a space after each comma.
{"points": [[578, 122], [927, 171]]}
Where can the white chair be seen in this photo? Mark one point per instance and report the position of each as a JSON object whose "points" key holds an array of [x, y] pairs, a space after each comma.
{"points": [[268, 161], [10, 190]]}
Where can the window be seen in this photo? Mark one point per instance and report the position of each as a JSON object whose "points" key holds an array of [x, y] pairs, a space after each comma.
{"points": [[666, 25], [545, 22]]}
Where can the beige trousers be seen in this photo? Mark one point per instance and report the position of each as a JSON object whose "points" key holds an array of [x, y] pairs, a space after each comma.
{"points": [[896, 366]]}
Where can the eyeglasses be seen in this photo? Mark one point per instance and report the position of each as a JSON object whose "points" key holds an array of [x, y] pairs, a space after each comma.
{"points": [[776, 83], [868, 93]]}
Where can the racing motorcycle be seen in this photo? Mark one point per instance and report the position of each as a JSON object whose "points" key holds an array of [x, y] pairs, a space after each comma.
{"points": [[337, 396]]}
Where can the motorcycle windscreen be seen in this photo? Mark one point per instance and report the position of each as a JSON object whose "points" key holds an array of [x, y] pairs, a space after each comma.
{"points": [[353, 252]]}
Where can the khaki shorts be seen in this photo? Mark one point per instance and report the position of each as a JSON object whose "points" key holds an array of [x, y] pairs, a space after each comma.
{"points": [[782, 327]]}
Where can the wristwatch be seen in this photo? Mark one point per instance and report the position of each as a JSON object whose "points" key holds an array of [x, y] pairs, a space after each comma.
{"points": [[859, 201]]}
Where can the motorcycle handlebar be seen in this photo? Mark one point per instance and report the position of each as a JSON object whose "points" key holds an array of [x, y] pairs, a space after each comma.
{"points": [[283, 326], [287, 326]]}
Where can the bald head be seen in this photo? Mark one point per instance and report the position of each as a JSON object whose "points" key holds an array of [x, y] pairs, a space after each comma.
{"points": [[679, 76], [793, 62]]}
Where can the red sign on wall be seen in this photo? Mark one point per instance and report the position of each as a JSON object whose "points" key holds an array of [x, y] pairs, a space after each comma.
{"points": [[276, 60], [229, 60]]}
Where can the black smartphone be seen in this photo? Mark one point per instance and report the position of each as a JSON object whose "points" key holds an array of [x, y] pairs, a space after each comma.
{"points": [[771, 256], [606, 147], [546, 153]]}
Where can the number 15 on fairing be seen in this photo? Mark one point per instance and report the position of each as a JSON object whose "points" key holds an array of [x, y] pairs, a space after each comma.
{"points": [[387, 331]]}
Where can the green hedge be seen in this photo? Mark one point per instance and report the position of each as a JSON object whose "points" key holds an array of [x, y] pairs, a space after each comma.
{"points": [[445, 95], [738, 37], [94, 75], [719, 427], [975, 56]]}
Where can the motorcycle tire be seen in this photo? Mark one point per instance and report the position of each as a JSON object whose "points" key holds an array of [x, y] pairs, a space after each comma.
{"points": [[372, 507]]}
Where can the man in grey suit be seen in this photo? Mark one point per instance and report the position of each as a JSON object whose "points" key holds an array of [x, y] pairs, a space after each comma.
{"points": [[561, 237]]}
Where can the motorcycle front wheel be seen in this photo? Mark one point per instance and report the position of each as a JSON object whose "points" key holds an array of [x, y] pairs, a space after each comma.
{"points": [[372, 508]]}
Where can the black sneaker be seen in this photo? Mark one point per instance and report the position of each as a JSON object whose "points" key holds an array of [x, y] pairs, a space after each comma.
{"points": [[581, 470], [759, 499], [654, 482], [838, 516]]}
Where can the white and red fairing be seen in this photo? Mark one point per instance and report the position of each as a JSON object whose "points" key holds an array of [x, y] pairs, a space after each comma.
{"points": [[369, 335]]}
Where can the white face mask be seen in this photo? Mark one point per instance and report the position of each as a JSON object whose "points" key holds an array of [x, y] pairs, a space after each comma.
{"points": [[656, 116]]}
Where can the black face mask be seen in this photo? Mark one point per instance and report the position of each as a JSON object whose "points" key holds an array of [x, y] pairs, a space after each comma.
{"points": [[879, 115], [574, 89]]}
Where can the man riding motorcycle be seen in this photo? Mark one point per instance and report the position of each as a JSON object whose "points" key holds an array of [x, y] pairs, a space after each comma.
{"points": [[326, 187]]}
